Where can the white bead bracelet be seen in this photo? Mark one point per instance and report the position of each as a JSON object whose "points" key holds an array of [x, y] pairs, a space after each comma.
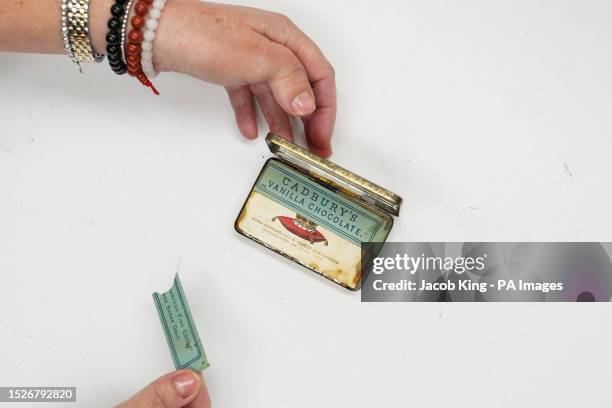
{"points": [[148, 33]]}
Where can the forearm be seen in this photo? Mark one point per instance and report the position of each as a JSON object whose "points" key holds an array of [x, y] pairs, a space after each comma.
{"points": [[34, 26]]}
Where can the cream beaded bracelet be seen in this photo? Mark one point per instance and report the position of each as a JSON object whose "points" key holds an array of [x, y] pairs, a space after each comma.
{"points": [[148, 32]]}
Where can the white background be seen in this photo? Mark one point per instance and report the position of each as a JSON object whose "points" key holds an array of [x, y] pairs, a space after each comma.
{"points": [[491, 118]]}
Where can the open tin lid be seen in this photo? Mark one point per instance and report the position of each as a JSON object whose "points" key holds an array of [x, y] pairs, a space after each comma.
{"points": [[335, 175]]}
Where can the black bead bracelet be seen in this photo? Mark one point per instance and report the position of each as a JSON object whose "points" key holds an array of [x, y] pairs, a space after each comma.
{"points": [[113, 37]]}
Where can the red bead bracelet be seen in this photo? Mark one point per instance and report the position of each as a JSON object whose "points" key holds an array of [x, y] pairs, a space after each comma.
{"points": [[133, 49]]}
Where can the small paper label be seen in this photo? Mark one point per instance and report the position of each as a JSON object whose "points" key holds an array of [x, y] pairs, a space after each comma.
{"points": [[180, 330]]}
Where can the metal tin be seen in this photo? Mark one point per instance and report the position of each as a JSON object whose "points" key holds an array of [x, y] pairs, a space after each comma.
{"points": [[317, 213], [345, 180]]}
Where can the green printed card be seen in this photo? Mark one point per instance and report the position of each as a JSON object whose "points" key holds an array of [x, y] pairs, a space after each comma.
{"points": [[180, 330]]}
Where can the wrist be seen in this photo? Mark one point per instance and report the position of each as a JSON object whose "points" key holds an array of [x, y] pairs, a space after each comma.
{"points": [[163, 45]]}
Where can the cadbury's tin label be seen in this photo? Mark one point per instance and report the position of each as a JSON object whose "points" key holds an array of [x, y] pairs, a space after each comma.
{"points": [[294, 215]]}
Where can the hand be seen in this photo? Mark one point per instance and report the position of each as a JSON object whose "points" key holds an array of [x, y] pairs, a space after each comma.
{"points": [[183, 388], [254, 54]]}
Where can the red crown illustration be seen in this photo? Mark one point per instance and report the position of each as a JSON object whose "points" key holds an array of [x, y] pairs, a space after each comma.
{"points": [[302, 227]]}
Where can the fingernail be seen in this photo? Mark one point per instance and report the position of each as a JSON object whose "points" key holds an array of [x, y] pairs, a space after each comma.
{"points": [[324, 145], [326, 151], [185, 384], [303, 104]]}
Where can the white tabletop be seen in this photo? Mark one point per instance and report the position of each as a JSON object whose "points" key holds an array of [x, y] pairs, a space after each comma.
{"points": [[492, 119]]}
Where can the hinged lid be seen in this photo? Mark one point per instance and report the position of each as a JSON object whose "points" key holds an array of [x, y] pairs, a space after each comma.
{"points": [[335, 175]]}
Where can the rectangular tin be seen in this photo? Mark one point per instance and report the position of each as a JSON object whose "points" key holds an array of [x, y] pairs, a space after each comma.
{"points": [[317, 214]]}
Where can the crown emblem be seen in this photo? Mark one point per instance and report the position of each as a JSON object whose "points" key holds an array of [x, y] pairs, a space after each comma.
{"points": [[304, 223], [302, 227]]}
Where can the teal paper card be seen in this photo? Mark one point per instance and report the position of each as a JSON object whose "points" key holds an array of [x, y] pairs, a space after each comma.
{"points": [[180, 330]]}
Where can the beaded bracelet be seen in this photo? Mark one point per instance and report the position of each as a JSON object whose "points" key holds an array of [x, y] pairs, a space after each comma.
{"points": [[133, 49], [149, 35], [126, 18], [114, 35], [75, 32]]}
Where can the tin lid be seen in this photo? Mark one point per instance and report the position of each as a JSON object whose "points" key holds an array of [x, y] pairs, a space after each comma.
{"points": [[339, 177]]}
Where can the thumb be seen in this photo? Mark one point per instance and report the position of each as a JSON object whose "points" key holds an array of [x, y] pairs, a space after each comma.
{"points": [[174, 390], [289, 81]]}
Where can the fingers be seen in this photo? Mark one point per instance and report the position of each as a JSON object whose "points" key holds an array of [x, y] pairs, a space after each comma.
{"points": [[320, 125], [274, 64], [244, 109], [273, 113], [282, 30], [174, 390], [288, 81]]}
